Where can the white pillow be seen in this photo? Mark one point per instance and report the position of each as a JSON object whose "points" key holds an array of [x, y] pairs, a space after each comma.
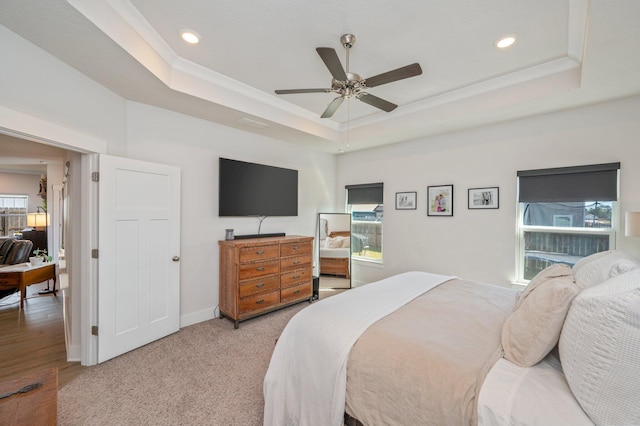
{"points": [[333, 242], [599, 267], [590, 259], [345, 242], [600, 350]]}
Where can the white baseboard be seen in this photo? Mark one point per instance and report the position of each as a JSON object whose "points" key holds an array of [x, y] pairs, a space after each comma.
{"points": [[73, 353], [196, 317]]}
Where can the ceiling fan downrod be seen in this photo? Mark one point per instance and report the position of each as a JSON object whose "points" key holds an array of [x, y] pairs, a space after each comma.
{"points": [[347, 40], [353, 85]]}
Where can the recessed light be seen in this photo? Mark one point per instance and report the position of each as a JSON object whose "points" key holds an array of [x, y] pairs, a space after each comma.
{"points": [[505, 41], [190, 36]]}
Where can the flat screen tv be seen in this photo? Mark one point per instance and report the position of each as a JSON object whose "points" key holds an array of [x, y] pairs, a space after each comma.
{"points": [[250, 189]]}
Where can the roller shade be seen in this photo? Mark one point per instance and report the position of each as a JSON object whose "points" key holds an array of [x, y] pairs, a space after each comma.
{"points": [[369, 193], [598, 182]]}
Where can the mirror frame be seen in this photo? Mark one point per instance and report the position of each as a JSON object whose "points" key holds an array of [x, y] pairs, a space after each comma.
{"points": [[319, 243]]}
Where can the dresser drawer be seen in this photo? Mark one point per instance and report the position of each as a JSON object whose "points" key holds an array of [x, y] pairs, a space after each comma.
{"points": [[259, 269], [300, 276], [295, 262], [295, 249], [262, 285], [252, 254], [298, 292], [259, 301]]}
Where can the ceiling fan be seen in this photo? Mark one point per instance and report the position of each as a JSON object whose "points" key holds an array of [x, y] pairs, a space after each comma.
{"points": [[352, 85]]}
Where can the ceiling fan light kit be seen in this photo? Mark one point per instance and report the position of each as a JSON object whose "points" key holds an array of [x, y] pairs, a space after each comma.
{"points": [[352, 85]]}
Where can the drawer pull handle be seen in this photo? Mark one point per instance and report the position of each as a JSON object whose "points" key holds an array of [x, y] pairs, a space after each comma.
{"points": [[260, 252], [295, 262], [260, 268], [260, 285], [296, 292], [296, 248], [295, 277], [259, 301]]}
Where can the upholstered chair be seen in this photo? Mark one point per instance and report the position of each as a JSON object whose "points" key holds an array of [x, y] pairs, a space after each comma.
{"points": [[19, 252], [5, 246]]}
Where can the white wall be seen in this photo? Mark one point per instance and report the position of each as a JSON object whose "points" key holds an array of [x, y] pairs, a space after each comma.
{"points": [[195, 145], [53, 95], [22, 184], [339, 223], [480, 244]]}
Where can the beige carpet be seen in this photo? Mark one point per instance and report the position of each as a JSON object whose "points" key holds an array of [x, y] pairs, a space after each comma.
{"points": [[328, 281], [205, 374]]}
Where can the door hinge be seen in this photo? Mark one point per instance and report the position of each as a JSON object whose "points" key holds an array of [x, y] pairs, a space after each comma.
{"points": [[95, 176], [94, 330], [94, 253]]}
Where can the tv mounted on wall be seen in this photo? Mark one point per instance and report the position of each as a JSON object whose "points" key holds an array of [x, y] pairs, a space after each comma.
{"points": [[250, 189]]}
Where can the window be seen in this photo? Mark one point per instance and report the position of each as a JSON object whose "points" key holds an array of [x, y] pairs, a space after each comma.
{"points": [[365, 204], [565, 214], [13, 214]]}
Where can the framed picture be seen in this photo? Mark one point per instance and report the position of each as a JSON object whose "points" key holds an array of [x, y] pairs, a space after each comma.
{"points": [[483, 198], [406, 200], [440, 200]]}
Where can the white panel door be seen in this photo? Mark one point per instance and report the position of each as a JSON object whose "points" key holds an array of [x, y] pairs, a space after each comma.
{"points": [[139, 249]]}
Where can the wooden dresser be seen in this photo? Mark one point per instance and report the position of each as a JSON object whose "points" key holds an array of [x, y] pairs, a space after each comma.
{"points": [[260, 275]]}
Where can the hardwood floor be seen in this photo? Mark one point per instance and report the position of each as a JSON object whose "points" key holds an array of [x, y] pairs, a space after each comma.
{"points": [[32, 339]]}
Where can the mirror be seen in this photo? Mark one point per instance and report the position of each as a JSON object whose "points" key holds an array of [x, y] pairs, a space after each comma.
{"points": [[334, 248]]}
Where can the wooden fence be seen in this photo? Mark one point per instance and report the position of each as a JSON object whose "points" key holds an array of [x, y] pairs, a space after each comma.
{"points": [[550, 247]]}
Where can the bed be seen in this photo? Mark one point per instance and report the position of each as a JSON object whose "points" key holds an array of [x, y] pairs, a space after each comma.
{"points": [[421, 348], [335, 253]]}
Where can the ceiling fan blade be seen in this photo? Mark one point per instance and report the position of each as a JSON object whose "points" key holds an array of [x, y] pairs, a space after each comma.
{"points": [[333, 106], [395, 75], [292, 91], [330, 59], [377, 102]]}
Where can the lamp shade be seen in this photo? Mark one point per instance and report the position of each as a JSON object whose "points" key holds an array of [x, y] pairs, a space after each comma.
{"points": [[632, 228], [37, 220]]}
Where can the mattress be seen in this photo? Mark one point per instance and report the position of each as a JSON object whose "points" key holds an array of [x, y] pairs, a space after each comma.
{"points": [[335, 253]]}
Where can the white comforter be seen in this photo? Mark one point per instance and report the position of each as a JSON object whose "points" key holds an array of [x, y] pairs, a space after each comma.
{"points": [[322, 336]]}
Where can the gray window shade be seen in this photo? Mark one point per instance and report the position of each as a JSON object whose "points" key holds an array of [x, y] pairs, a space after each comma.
{"points": [[598, 182], [369, 193]]}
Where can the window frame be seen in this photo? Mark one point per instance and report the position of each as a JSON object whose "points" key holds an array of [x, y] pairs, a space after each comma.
{"points": [[7, 215], [380, 223], [522, 229]]}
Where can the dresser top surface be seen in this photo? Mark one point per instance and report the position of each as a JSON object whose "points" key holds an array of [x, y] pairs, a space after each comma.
{"points": [[264, 241]]}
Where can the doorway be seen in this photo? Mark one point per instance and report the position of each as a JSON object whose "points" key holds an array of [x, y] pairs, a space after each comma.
{"points": [[41, 325]]}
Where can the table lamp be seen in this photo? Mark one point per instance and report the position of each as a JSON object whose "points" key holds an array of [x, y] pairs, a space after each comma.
{"points": [[37, 220]]}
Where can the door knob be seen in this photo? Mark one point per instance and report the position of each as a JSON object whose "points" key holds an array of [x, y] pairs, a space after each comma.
{"points": [[175, 258]]}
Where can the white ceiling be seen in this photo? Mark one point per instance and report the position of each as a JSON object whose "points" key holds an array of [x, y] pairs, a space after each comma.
{"points": [[568, 53]]}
